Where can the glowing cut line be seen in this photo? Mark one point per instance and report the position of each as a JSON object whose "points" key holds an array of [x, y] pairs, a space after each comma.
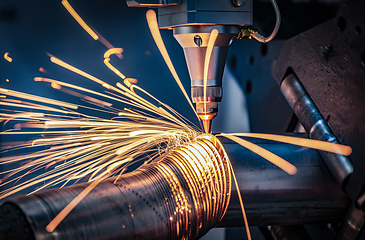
{"points": [[107, 60], [304, 142], [212, 38], [77, 17], [153, 25], [7, 58], [276, 160], [58, 219]]}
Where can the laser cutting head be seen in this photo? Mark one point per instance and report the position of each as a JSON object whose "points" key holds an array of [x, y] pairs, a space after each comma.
{"points": [[194, 40], [192, 21]]}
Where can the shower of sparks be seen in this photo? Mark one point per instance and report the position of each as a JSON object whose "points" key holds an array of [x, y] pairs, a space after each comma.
{"points": [[96, 147], [77, 17], [155, 31], [213, 36], [7, 58]]}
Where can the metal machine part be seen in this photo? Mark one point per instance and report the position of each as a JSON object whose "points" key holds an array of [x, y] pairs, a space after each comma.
{"points": [[272, 197], [316, 127], [328, 62], [194, 40], [141, 204], [192, 21]]}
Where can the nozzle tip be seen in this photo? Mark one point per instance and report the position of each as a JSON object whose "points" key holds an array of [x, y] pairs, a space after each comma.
{"points": [[207, 125], [207, 120]]}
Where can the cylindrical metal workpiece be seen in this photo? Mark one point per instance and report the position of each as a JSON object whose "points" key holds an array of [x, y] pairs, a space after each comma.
{"points": [[316, 127], [180, 196], [168, 201]]}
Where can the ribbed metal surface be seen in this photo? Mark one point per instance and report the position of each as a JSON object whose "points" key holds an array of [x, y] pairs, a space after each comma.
{"points": [[183, 196]]}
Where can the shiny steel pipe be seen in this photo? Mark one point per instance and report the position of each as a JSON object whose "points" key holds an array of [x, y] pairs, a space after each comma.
{"points": [[316, 127], [181, 196], [142, 204]]}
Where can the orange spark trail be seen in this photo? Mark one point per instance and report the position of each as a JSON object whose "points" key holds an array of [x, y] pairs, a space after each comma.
{"points": [[153, 25], [213, 36], [58, 219], [78, 71], [37, 98], [107, 60], [43, 70], [7, 58], [241, 203], [304, 142], [276, 160], [77, 17]]}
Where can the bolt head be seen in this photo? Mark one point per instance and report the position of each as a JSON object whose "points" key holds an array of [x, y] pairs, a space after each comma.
{"points": [[238, 3]]}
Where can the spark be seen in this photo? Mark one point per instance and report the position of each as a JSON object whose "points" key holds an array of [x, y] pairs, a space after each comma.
{"points": [[241, 203], [271, 157], [7, 80], [212, 38], [77, 17], [58, 219], [304, 142], [153, 25], [107, 60], [78, 71], [7, 58], [43, 70], [80, 145], [36, 98]]}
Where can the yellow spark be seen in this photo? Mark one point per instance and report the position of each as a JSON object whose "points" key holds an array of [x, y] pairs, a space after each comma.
{"points": [[212, 38], [107, 60], [7, 58], [153, 25], [304, 142], [36, 98], [7, 80], [55, 85], [276, 160], [58, 219], [241, 203], [77, 17], [75, 70]]}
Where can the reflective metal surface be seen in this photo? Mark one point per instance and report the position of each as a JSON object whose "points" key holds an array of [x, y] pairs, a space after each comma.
{"points": [[317, 128], [146, 204]]}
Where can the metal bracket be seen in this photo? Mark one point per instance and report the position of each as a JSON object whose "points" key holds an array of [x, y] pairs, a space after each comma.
{"points": [[152, 3]]}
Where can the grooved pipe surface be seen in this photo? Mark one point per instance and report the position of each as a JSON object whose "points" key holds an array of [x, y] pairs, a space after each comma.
{"points": [[141, 204]]}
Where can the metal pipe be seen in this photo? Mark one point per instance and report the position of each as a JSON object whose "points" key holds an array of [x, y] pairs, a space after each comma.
{"points": [[352, 224], [143, 203], [316, 127]]}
